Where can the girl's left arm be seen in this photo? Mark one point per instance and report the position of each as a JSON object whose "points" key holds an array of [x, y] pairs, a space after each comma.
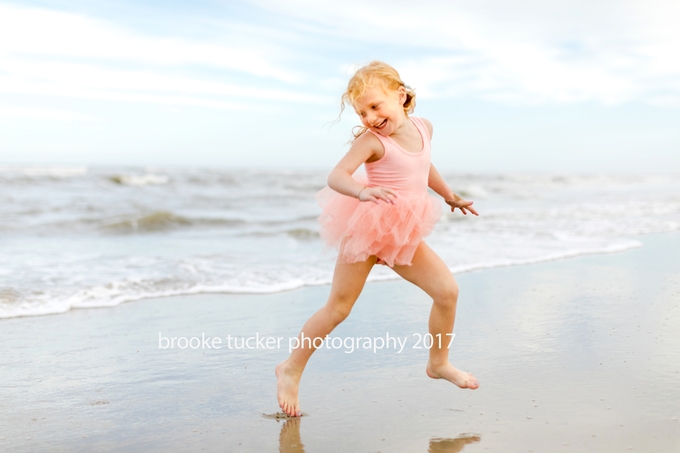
{"points": [[434, 180], [437, 183]]}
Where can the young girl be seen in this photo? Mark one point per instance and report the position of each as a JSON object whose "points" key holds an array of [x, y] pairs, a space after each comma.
{"points": [[382, 220]]}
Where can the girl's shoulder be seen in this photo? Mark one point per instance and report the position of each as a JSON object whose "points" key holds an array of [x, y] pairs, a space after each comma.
{"points": [[369, 146], [426, 123]]}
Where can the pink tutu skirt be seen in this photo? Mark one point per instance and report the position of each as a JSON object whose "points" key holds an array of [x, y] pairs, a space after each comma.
{"points": [[392, 232]]}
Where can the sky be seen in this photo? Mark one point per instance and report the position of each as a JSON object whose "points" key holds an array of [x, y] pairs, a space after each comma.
{"points": [[525, 86]]}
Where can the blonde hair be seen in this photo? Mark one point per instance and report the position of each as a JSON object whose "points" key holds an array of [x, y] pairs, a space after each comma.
{"points": [[376, 73]]}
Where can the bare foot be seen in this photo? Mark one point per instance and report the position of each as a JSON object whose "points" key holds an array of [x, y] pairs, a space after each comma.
{"points": [[451, 374], [287, 390]]}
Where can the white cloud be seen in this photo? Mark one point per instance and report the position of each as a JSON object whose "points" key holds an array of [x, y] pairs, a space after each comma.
{"points": [[556, 52], [50, 53], [41, 32], [14, 111], [520, 52], [88, 81]]}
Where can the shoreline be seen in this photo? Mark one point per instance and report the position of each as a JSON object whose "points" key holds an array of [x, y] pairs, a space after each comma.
{"points": [[580, 351], [631, 245]]}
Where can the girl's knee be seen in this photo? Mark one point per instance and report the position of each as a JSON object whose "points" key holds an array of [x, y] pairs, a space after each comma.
{"points": [[339, 313], [339, 307], [447, 295]]}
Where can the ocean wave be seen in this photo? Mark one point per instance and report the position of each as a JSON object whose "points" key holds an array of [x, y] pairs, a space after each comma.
{"points": [[147, 179], [141, 222], [303, 233], [78, 241], [28, 174], [55, 171], [117, 293], [532, 186], [160, 221], [155, 221]]}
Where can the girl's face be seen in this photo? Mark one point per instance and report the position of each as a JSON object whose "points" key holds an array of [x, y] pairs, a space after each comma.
{"points": [[381, 112]]}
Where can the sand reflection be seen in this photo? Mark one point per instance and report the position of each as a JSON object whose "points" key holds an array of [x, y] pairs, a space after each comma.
{"points": [[451, 445], [290, 442], [289, 438]]}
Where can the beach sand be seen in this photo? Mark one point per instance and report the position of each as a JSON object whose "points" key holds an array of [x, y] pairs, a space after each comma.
{"points": [[578, 355]]}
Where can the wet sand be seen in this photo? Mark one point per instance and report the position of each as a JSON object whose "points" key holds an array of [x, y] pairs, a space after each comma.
{"points": [[579, 355]]}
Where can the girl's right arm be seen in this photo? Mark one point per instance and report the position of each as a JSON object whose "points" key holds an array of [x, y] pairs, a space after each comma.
{"points": [[366, 148]]}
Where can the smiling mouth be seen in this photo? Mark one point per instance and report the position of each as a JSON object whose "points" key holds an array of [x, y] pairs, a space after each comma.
{"points": [[380, 126]]}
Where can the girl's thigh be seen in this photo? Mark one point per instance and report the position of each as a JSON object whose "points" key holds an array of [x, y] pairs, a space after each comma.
{"points": [[349, 279], [429, 272]]}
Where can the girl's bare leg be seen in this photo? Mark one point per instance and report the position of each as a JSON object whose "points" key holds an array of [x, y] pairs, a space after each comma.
{"points": [[431, 274], [348, 281]]}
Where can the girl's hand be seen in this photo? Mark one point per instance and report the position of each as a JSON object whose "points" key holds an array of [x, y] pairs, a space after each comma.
{"points": [[377, 194], [464, 206]]}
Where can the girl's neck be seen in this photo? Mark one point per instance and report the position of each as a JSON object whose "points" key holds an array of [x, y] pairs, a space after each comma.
{"points": [[405, 129]]}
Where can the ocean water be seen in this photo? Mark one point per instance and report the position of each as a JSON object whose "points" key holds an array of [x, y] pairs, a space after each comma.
{"points": [[75, 237]]}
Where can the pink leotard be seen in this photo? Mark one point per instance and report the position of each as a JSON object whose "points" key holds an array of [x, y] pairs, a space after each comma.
{"points": [[392, 232]]}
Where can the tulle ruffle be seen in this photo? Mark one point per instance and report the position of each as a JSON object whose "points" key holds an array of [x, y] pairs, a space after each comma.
{"points": [[392, 232]]}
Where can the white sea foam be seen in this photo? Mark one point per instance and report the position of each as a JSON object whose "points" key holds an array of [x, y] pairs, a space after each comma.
{"points": [[133, 289], [37, 171], [140, 180]]}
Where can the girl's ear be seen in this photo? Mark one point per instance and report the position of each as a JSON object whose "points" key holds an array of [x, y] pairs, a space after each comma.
{"points": [[402, 95]]}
